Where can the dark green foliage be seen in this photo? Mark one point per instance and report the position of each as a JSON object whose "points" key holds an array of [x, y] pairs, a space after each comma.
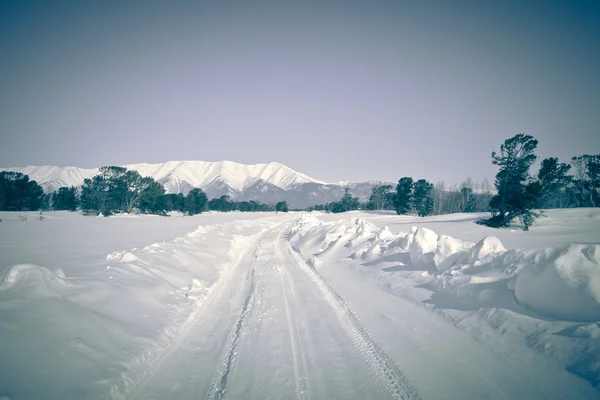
{"points": [[404, 196], [152, 199], [221, 204], [250, 206], [195, 202], [516, 197], [381, 198], [282, 206], [347, 203], [18, 193], [554, 180], [422, 200], [65, 198], [174, 202], [46, 202], [116, 189]]}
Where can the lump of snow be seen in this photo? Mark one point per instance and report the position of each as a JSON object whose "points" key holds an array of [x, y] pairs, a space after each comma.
{"points": [[128, 257], [423, 246], [563, 286], [450, 252], [384, 233], [485, 250]]}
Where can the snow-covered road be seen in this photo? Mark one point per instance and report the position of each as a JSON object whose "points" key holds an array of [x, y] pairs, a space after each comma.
{"points": [[275, 328], [280, 306]]}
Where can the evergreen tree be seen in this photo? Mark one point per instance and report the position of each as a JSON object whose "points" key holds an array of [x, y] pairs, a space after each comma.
{"points": [[516, 198], [404, 196], [553, 180], [94, 194], [221, 204], [422, 197], [117, 189], [195, 201], [174, 202], [18, 193], [282, 206], [45, 202], [349, 202], [65, 198], [152, 199]]}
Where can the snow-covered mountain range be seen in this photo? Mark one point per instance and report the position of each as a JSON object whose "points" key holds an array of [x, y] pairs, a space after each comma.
{"points": [[267, 183]]}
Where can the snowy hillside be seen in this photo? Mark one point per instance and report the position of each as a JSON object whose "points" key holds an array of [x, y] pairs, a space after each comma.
{"points": [[266, 183], [175, 173]]}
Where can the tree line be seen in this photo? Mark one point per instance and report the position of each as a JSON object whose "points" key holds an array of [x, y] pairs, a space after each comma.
{"points": [[114, 190], [518, 193], [419, 197]]}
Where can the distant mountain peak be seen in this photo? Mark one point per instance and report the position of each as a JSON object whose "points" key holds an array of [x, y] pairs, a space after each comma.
{"points": [[266, 182], [195, 173]]}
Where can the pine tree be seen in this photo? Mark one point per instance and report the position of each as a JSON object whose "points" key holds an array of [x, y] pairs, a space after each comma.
{"points": [[18, 193], [65, 198], [195, 201], [553, 180], [516, 198], [422, 197], [282, 206], [404, 196], [152, 199]]}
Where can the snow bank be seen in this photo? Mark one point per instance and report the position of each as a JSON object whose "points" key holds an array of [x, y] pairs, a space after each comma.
{"points": [[423, 247], [558, 282], [526, 296], [105, 322], [485, 250], [450, 252], [564, 285]]}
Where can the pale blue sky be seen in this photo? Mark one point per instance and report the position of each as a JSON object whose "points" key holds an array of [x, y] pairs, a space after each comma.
{"points": [[337, 90]]}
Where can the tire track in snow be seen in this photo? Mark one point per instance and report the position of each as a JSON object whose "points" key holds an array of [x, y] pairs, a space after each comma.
{"points": [[135, 385], [300, 369], [384, 369], [218, 388]]}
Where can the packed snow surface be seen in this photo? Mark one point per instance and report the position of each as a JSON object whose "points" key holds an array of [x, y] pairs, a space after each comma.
{"points": [[298, 305]]}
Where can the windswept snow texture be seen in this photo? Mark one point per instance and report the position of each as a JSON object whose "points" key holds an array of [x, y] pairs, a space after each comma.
{"points": [[268, 183], [298, 305]]}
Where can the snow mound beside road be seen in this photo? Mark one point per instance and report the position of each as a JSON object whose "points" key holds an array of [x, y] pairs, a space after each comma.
{"points": [[564, 284], [561, 282]]}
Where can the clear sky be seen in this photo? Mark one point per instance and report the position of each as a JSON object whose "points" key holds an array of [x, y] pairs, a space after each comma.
{"points": [[337, 90]]}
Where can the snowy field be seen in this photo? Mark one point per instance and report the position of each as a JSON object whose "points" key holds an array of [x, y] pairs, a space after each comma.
{"points": [[307, 306]]}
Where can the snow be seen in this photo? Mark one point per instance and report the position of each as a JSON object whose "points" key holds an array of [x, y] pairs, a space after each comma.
{"points": [[172, 174], [298, 305], [423, 247], [563, 284], [485, 250]]}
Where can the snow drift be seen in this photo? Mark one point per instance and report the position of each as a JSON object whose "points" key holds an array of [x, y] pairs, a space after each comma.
{"points": [[561, 282]]}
